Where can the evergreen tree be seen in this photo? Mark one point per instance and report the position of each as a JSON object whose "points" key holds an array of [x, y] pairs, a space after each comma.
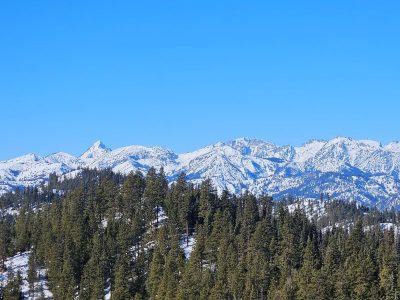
{"points": [[132, 195], [173, 269], [387, 273], [32, 276], [207, 204], [180, 205], [226, 263], [121, 288], [5, 238], [191, 284], [361, 270], [154, 194], [67, 284], [92, 284], [156, 269], [22, 229], [330, 276], [307, 289], [12, 291], [249, 219], [258, 258]]}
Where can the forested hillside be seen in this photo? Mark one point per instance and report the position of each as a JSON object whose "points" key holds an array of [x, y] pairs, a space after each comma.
{"points": [[102, 234]]}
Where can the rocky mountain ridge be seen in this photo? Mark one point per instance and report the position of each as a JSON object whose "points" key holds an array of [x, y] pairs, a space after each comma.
{"points": [[353, 170]]}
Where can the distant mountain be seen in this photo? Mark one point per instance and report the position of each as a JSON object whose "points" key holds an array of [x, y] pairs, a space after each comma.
{"points": [[353, 170]]}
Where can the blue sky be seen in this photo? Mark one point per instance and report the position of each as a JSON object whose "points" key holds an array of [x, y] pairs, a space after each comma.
{"points": [[184, 74]]}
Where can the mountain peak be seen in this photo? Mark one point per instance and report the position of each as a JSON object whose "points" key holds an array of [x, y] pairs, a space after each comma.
{"points": [[99, 144], [314, 141], [341, 139], [30, 157], [97, 150], [393, 147], [245, 141]]}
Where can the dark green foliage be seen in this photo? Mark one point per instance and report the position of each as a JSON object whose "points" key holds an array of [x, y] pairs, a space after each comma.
{"points": [[181, 206], [32, 276], [12, 290], [121, 288], [5, 244], [154, 195], [207, 205], [104, 233]]}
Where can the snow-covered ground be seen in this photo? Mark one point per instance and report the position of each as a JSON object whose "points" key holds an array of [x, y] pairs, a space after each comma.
{"points": [[187, 246], [156, 223], [314, 209], [107, 290], [349, 225], [9, 211], [344, 225], [385, 227], [19, 263]]}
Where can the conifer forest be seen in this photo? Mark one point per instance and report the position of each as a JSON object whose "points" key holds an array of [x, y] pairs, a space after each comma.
{"points": [[102, 234]]}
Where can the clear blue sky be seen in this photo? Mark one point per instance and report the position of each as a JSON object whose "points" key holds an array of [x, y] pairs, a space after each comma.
{"points": [[184, 74]]}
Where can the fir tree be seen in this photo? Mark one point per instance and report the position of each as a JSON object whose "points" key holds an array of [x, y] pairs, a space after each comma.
{"points": [[207, 203], [307, 289], [121, 288], [5, 238], [32, 276], [12, 291], [191, 283], [387, 273], [173, 270]]}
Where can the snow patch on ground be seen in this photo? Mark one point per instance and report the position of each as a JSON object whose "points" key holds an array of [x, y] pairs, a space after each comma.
{"points": [[314, 209], [384, 227], [349, 225], [9, 211], [107, 290], [19, 263], [187, 246], [162, 217]]}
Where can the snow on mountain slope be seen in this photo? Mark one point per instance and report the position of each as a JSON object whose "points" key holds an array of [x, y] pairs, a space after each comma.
{"points": [[341, 153], [353, 170], [308, 150], [97, 150], [64, 158], [393, 147], [132, 158], [31, 170]]}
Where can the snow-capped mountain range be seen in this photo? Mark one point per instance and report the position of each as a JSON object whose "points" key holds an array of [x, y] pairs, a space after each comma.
{"points": [[353, 170]]}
